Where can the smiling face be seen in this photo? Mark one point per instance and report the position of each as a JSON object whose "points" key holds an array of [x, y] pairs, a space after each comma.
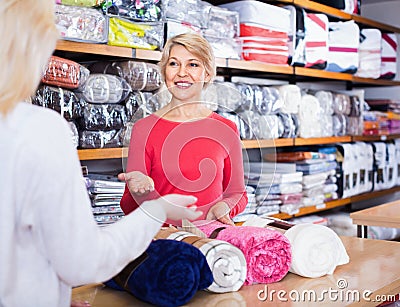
{"points": [[185, 75]]}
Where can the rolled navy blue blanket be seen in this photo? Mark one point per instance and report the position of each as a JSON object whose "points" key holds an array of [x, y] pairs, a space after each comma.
{"points": [[167, 274]]}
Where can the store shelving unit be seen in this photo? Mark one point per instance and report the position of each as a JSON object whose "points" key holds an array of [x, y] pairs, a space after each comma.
{"points": [[230, 67]]}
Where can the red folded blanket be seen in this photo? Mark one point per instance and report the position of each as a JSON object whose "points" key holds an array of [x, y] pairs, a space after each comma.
{"points": [[267, 251]]}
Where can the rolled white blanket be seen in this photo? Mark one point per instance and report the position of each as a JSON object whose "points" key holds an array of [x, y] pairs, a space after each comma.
{"points": [[316, 250], [227, 262]]}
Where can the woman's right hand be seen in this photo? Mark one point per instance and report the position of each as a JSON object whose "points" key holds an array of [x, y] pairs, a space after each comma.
{"points": [[137, 182]]}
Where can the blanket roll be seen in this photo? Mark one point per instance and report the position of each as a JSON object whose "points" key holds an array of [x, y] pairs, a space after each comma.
{"points": [[316, 250], [266, 251], [168, 274], [226, 261]]}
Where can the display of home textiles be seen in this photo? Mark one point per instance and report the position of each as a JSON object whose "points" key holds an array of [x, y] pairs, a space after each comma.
{"points": [[103, 117], [296, 35], [136, 35], [252, 127], [61, 100], [339, 123], [92, 28], [316, 38], [221, 23], [267, 252], [341, 103], [225, 47], [74, 133], [264, 44], [260, 13], [81, 2], [370, 54], [105, 192], [229, 98], [175, 27], [65, 73], [139, 105], [227, 262], [100, 139], [138, 10], [316, 249], [388, 56], [105, 88], [291, 96], [290, 125], [309, 117], [271, 127], [343, 40], [169, 273], [192, 11], [263, 31], [141, 76]]}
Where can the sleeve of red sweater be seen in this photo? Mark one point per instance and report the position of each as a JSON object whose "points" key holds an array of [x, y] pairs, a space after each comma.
{"points": [[233, 183]]}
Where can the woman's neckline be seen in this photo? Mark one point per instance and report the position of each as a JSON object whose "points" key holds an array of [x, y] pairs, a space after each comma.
{"points": [[194, 120]]}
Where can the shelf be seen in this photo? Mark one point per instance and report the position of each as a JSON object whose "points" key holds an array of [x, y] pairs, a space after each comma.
{"points": [[337, 203], [260, 67], [377, 82], [321, 8], [318, 73], [103, 49], [117, 153], [325, 140], [249, 144], [102, 153]]}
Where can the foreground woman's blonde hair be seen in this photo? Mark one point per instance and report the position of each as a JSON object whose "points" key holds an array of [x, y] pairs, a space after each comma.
{"points": [[28, 37]]}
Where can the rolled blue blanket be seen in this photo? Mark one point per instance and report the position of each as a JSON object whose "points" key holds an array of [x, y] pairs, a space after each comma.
{"points": [[168, 274]]}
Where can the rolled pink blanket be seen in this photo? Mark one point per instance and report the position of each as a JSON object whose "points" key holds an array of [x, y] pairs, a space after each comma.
{"points": [[267, 251]]}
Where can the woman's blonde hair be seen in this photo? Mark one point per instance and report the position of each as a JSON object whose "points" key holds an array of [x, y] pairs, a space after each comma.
{"points": [[28, 37], [195, 44]]}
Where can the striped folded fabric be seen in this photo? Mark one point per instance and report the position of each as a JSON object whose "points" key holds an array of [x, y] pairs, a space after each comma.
{"points": [[227, 262], [267, 252]]}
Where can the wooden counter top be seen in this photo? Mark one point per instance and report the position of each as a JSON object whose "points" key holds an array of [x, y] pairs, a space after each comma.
{"points": [[386, 215], [374, 270]]}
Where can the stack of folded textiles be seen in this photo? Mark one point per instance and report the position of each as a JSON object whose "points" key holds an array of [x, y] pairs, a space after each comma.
{"points": [[264, 31], [277, 188], [105, 193], [318, 168]]}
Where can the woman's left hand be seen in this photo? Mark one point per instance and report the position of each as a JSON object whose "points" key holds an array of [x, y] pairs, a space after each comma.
{"points": [[220, 212]]}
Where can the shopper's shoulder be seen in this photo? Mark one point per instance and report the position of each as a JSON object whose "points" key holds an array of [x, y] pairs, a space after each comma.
{"points": [[226, 121], [41, 123]]}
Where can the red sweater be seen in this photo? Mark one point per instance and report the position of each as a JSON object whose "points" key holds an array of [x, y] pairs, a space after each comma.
{"points": [[201, 158]]}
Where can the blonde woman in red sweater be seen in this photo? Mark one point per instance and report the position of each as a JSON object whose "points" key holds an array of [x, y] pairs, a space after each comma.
{"points": [[185, 147]]}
